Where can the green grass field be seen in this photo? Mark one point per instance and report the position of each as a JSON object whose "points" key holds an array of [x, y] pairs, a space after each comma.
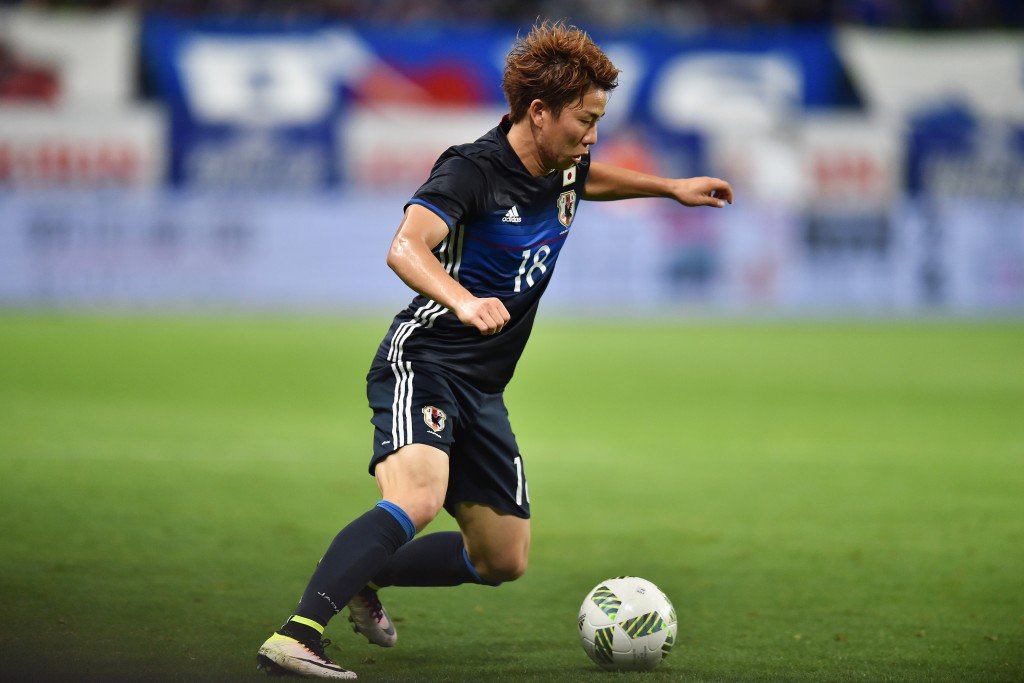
{"points": [[821, 501]]}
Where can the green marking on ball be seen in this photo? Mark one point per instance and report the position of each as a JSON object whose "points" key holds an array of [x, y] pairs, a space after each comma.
{"points": [[607, 601], [644, 625], [666, 647], [603, 644]]}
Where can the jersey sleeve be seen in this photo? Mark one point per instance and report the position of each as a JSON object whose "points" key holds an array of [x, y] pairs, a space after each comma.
{"points": [[454, 191]]}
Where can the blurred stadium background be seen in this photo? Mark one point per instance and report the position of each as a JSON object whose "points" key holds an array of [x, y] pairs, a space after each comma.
{"points": [[825, 496], [251, 154]]}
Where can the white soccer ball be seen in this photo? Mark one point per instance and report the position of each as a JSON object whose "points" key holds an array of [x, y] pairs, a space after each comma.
{"points": [[627, 624]]}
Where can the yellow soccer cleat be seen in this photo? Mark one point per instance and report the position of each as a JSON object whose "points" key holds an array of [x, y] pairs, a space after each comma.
{"points": [[284, 654]]}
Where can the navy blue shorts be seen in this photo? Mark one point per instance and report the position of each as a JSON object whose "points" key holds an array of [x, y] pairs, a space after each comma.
{"points": [[423, 403]]}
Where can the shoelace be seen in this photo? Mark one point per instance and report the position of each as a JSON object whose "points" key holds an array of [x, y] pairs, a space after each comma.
{"points": [[376, 608], [317, 647]]}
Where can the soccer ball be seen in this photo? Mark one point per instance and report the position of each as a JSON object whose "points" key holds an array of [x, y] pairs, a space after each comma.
{"points": [[627, 624]]}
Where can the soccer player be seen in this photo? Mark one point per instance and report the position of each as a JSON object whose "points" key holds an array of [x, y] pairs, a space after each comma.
{"points": [[478, 243]]}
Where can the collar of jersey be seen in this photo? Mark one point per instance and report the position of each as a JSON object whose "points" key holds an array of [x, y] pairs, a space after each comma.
{"points": [[501, 132]]}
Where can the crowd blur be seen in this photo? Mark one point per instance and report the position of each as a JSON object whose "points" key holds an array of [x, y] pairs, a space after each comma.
{"points": [[233, 153], [684, 15]]}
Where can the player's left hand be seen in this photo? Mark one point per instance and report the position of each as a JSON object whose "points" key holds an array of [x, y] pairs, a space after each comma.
{"points": [[702, 191]]}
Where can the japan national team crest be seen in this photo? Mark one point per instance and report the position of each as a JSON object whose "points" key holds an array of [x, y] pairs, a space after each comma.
{"points": [[566, 207], [434, 418]]}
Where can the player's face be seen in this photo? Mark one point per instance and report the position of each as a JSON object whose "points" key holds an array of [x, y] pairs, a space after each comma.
{"points": [[569, 136]]}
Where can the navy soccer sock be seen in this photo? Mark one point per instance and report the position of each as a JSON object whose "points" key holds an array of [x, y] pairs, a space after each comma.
{"points": [[353, 558], [433, 560]]}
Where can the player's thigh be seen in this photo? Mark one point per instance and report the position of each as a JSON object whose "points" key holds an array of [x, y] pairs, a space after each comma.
{"points": [[415, 478], [414, 411], [497, 542]]}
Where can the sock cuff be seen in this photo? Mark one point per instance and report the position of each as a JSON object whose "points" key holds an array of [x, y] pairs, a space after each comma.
{"points": [[311, 623], [403, 519], [472, 570]]}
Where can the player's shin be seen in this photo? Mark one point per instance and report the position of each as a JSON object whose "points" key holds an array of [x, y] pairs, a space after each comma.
{"points": [[354, 557]]}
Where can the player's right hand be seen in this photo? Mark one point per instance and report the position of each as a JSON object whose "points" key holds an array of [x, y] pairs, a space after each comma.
{"points": [[486, 315]]}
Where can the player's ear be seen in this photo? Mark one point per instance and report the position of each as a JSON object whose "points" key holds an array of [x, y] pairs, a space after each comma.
{"points": [[538, 113]]}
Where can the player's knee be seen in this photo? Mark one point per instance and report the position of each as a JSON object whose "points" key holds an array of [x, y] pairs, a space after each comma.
{"points": [[424, 512], [501, 569], [422, 506]]}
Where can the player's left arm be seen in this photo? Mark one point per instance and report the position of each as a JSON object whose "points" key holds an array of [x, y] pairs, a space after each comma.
{"points": [[607, 183]]}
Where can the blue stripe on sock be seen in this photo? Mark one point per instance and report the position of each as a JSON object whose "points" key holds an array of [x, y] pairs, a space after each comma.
{"points": [[473, 571], [403, 519]]}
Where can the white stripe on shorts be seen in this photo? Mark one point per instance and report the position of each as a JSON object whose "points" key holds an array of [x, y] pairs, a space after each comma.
{"points": [[450, 255]]}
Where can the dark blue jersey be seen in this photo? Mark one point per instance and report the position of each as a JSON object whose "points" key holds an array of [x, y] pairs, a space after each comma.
{"points": [[506, 229]]}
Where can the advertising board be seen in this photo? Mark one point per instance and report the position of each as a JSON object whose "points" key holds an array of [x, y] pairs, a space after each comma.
{"points": [[179, 249], [88, 57], [82, 147]]}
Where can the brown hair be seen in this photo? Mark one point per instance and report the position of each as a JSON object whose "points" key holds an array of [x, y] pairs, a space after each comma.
{"points": [[557, 64]]}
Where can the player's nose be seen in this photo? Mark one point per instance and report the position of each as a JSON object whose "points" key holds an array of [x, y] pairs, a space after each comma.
{"points": [[591, 137]]}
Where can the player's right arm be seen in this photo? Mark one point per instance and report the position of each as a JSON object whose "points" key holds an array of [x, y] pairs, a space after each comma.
{"points": [[412, 260]]}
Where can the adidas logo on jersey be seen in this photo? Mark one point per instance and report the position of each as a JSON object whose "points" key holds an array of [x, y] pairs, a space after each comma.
{"points": [[512, 216]]}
